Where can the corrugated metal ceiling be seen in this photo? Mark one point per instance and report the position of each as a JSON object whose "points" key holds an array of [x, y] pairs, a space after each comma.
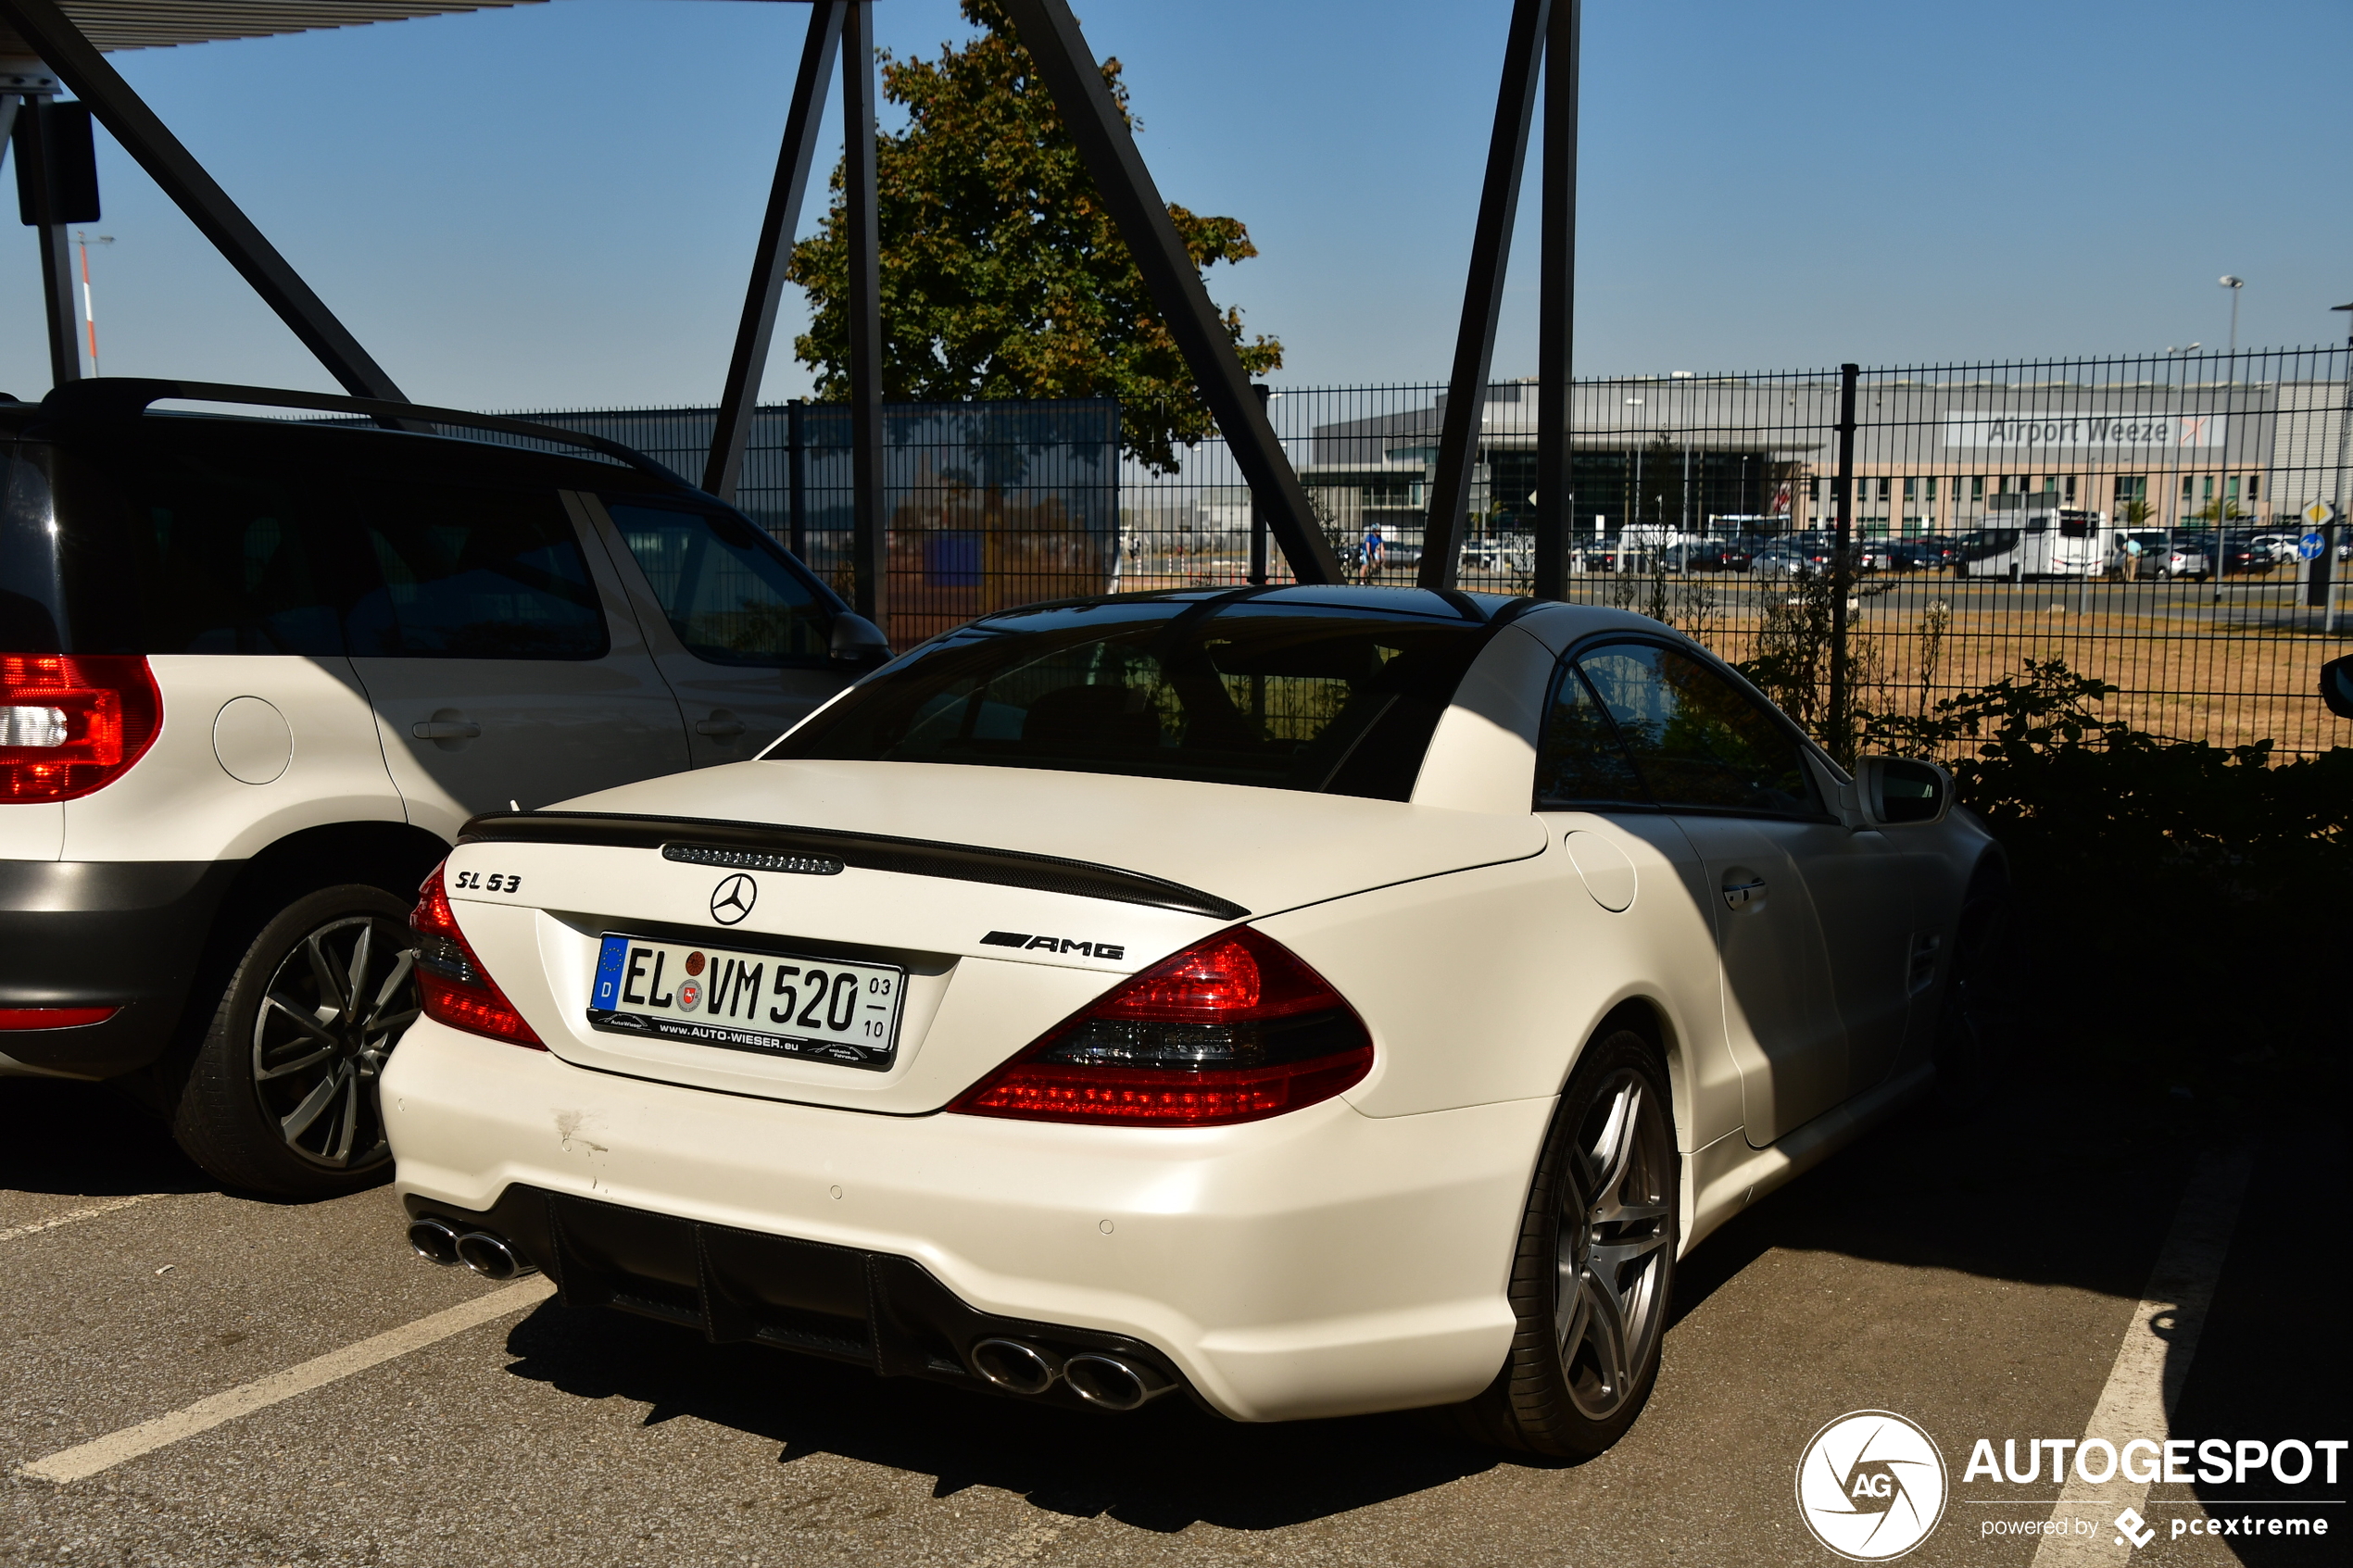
{"points": [[146, 25]]}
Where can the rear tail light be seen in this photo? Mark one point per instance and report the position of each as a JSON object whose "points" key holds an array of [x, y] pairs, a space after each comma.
{"points": [[54, 1018], [1232, 1029], [72, 723], [451, 984]]}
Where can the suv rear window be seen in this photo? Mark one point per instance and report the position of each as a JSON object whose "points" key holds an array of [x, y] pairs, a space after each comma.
{"points": [[195, 538], [1281, 695]]}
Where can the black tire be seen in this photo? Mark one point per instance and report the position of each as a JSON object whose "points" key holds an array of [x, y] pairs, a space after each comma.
{"points": [[280, 1097], [1555, 1394], [1972, 1023]]}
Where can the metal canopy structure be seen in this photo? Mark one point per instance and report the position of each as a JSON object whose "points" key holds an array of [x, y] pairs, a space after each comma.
{"points": [[1543, 46], [70, 39]]}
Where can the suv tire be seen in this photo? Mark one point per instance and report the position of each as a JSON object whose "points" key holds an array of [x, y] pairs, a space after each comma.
{"points": [[281, 1098]]}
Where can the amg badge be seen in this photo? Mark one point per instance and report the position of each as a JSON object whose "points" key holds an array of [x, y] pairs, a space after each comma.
{"points": [[1054, 943]]}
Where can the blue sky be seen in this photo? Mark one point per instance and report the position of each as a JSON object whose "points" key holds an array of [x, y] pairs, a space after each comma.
{"points": [[554, 206]]}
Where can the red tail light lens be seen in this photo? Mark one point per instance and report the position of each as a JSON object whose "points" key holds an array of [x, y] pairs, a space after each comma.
{"points": [[1232, 1029], [71, 723], [54, 1018], [451, 984]]}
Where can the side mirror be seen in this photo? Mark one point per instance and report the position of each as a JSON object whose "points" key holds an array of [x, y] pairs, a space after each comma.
{"points": [[1898, 790], [2336, 685], [857, 646]]}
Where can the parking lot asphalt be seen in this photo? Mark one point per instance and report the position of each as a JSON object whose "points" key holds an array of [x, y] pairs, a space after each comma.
{"points": [[1975, 1277]]}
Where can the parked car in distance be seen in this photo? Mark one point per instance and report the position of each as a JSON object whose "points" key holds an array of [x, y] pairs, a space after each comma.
{"points": [[259, 674], [1792, 558], [2162, 555], [975, 1035], [1710, 554]]}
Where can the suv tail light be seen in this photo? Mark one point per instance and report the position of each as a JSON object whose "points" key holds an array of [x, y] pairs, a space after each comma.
{"points": [[451, 984], [1233, 1028], [72, 723]]}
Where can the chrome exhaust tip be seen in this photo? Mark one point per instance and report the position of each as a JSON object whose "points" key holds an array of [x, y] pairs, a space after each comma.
{"points": [[1112, 1383], [492, 1258], [433, 1240], [1015, 1366]]}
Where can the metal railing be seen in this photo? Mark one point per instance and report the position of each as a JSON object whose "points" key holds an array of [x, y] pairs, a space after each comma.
{"points": [[2141, 520]]}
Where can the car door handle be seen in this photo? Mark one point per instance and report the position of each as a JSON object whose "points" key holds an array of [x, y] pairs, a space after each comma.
{"points": [[720, 726], [446, 729], [1744, 893]]}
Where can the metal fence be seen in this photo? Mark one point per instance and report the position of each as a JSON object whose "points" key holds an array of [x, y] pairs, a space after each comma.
{"points": [[2141, 519]]}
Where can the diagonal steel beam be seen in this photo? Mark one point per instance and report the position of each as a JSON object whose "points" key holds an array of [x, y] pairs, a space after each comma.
{"points": [[78, 63], [1556, 300], [1067, 65], [1483, 295], [785, 197], [870, 539]]}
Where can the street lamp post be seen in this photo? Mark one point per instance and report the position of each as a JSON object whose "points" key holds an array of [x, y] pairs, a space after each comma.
{"points": [[2222, 494], [89, 306]]}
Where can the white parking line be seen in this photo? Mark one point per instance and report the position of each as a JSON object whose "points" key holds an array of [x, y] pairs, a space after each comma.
{"points": [[17, 1233], [2154, 1360], [102, 1453]]}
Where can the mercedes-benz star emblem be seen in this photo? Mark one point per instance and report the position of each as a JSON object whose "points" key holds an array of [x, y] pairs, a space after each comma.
{"points": [[733, 899]]}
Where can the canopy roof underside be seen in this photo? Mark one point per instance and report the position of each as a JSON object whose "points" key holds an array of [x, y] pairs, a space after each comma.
{"points": [[148, 24]]}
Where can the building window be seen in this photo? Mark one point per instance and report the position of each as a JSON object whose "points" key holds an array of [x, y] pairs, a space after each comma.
{"points": [[1884, 484], [1814, 488], [2132, 488], [1977, 487], [2209, 488], [2070, 490], [2253, 481], [2232, 488], [2187, 483], [1931, 487], [1911, 488]]}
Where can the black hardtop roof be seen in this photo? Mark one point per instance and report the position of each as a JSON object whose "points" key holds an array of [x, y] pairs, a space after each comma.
{"points": [[1399, 603]]}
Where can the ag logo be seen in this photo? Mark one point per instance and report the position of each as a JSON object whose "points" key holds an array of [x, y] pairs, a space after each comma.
{"points": [[733, 899], [1871, 1486]]}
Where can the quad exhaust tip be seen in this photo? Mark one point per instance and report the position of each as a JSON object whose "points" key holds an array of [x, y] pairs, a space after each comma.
{"points": [[1105, 1381], [489, 1255]]}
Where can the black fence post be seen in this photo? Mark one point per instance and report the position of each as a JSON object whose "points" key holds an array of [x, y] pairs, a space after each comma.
{"points": [[1257, 513], [1834, 724], [1556, 303], [870, 530], [797, 476]]}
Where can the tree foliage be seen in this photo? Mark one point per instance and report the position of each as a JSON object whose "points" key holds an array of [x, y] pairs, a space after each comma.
{"points": [[1003, 274]]}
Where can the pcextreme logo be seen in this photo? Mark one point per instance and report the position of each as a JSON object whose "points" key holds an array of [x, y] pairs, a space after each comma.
{"points": [[1871, 1486]]}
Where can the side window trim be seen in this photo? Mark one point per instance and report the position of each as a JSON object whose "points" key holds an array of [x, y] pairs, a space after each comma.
{"points": [[1809, 752]]}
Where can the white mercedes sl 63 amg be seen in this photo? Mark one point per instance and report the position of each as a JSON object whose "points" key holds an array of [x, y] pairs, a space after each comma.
{"points": [[1316, 1000]]}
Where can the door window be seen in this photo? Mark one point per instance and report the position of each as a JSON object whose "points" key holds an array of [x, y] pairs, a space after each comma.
{"points": [[1579, 761], [465, 571], [727, 592], [1697, 741]]}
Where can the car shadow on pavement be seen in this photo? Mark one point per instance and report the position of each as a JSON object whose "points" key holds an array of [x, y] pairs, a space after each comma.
{"points": [[86, 1140], [1161, 1469]]}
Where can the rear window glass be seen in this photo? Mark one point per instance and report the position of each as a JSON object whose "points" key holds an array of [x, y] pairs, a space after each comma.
{"points": [[1279, 696], [195, 539]]}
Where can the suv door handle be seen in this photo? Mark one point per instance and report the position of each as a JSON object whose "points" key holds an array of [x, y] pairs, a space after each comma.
{"points": [[446, 729], [722, 725]]}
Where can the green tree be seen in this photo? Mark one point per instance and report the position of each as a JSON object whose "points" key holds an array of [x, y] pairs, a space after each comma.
{"points": [[1003, 274]]}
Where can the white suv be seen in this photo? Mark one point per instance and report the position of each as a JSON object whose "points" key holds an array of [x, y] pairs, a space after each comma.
{"points": [[254, 676]]}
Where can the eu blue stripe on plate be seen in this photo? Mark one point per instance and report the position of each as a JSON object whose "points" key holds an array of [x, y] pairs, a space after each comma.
{"points": [[609, 962]]}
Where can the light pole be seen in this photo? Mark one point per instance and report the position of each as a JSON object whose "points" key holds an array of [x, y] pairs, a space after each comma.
{"points": [[89, 307], [2221, 495], [2336, 529]]}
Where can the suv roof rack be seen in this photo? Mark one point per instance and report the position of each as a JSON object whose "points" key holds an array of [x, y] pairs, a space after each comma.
{"points": [[128, 397]]}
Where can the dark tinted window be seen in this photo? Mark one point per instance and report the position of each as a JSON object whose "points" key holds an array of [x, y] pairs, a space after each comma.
{"points": [[464, 571], [1581, 761], [727, 592], [1275, 695], [1698, 740]]}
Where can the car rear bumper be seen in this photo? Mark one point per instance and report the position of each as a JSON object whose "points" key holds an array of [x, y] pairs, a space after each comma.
{"points": [[124, 934], [1315, 1264]]}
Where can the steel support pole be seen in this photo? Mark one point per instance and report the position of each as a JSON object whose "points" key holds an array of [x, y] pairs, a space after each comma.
{"points": [[1048, 30], [870, 544], [786, 193], [1834, 727], [78, 63], [1483, 297], [1556, 299]]}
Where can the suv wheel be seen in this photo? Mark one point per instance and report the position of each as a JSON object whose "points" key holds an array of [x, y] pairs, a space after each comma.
{"points": [[282, 1096]]}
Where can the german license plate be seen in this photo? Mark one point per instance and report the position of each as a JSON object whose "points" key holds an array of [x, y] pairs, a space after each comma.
{"points": [[818, 1010]]}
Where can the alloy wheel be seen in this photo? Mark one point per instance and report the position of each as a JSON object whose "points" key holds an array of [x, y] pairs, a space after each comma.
{"points": [[331, 1012], [1614, 1249]]}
